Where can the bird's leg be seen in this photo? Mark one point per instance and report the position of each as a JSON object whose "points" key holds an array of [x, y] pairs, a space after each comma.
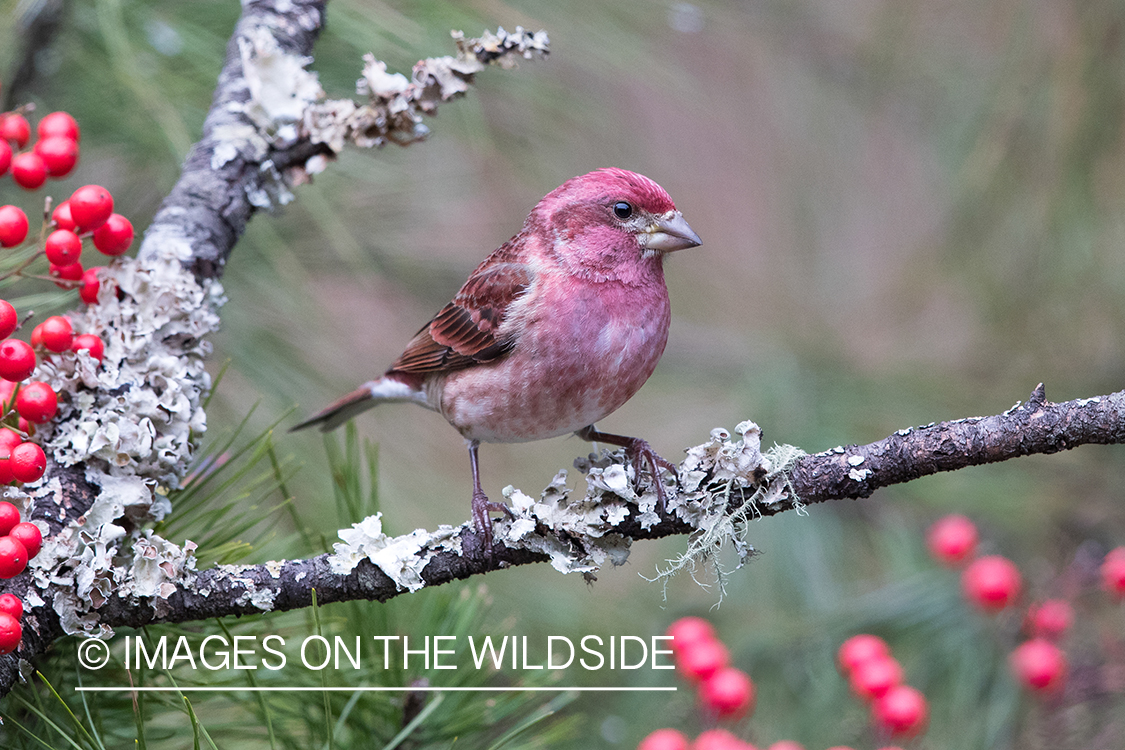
{"points": [[482, 506], [639, 452]]}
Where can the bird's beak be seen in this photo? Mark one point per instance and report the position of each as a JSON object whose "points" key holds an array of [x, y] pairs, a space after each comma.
{"points": [[669, 233]]}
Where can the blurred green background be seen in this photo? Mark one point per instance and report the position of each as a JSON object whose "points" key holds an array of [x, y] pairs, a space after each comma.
{"points": [[910, 212]]}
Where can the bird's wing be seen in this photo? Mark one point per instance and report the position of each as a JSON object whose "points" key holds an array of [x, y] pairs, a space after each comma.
{"points": [[467, 330]]}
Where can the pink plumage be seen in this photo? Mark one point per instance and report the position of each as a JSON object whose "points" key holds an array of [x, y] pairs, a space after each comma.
{"points": [[556, 329]]}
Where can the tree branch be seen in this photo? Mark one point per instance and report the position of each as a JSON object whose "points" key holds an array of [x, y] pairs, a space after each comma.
{"points": [[1036, 426], [211, 203]]}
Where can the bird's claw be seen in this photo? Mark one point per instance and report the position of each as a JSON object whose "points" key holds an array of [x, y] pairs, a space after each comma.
{"points": [[482, 521], [640, 453]]}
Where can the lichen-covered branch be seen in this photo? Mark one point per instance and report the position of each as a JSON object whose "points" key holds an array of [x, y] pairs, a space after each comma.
{"points": [[1033, 426], [720, 480]]}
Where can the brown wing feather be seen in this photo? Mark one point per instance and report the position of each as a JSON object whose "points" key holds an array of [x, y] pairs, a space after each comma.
{"points": [[466, 331]]}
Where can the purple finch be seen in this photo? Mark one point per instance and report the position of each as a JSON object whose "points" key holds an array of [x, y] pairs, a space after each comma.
{"points": [[556, 329]]}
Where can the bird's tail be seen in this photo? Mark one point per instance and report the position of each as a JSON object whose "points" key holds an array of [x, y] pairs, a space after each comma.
{"points": [[368, 395]]}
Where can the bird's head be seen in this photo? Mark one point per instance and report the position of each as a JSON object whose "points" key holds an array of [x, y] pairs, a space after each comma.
{"points": [[613, 219]]}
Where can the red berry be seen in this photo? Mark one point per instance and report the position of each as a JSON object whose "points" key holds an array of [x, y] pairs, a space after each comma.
{"points": [[10, 633], [1051, 619], [9, 516], [88, 291], [56, 333], [786, 745], [858, 649], [8, 319], [688, 630], [991, 583], [952, 540], [14, 127], [665, 739], [11, 604], [1039, 665], [901, 712], [90, 206], [72, 272], [63, 247], [61, 216], [5, 157], [37, 403], [7, 390], [36, 337], [59, 155], [28, 534], [729, 693], [873, 678], [13, 226], [90, 343], [719, 739], [13, 557], [115, 236], [17, 360], [59, 124], [29, 170], [702, 659], [1113, 573]]}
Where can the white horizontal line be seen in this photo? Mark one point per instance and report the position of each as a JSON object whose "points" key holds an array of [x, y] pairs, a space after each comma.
{"points": [[371, 689]]}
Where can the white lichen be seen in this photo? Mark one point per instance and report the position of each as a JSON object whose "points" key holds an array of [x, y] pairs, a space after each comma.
{"points": [[286, 103], [130, 420], [395, 105], [582, 532], [402, 558]]}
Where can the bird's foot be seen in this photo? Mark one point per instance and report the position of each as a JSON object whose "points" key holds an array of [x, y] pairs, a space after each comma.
{"points": [[641, 454], [482, 507]]}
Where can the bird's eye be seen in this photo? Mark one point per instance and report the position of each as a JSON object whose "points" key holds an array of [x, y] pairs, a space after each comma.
{"points": [[622, 210]]}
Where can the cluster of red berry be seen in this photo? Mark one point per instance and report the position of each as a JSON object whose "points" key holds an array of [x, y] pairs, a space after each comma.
{"points": [[897, 709], [19, 542], [993, 583], [728, 693], [54, 154], [33, 402], [88, 213], [725, 692]]}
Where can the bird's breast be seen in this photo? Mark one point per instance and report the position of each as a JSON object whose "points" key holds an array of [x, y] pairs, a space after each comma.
{"points": [[582, 350]]}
